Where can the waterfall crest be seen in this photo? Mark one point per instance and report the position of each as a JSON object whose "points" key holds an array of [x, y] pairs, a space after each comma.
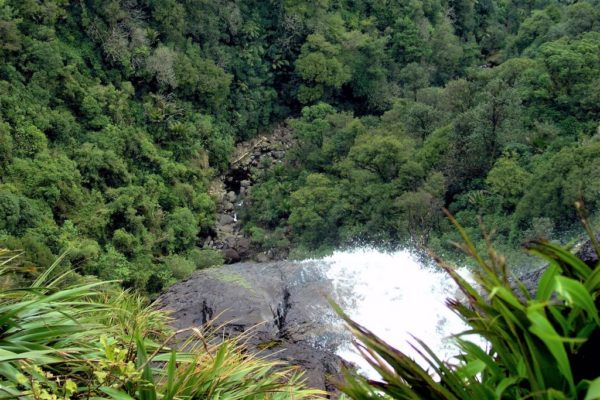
{"points": [[395, 295]]}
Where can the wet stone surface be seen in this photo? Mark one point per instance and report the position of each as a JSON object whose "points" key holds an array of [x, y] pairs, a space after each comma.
{"points": [[282, 303]]}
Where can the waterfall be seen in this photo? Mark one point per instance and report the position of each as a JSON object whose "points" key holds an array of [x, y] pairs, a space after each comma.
{"points": [[394, 295]]}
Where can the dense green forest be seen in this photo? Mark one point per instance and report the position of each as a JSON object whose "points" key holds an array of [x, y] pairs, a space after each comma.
{"points": [[118, 116], [488, 108], [115, 116]]}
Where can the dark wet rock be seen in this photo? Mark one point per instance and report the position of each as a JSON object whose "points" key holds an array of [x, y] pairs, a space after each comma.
{"points": [[283, 304], [225, 231], [231, 241], [243, 246], [231, 255], [225, 219], [231, 196], [585, 252], [530, 280]]}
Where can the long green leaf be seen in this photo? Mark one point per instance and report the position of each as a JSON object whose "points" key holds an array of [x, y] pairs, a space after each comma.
{"points": [[593, 392], [541, 327], [576, 295], [146, 391]]}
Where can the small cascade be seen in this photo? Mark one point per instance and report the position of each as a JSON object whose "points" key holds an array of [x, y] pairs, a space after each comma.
{"points": [[251, 159]]}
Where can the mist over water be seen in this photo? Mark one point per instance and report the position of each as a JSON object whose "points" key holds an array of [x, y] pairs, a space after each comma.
{"points": [[395, 295]]}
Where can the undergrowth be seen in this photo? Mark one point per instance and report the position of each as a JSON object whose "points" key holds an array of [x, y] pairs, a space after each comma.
{"points": [[90, 340]]}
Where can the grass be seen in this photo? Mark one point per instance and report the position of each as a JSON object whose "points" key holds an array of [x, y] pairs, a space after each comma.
{"points": [[230, 277], [91, 340]]}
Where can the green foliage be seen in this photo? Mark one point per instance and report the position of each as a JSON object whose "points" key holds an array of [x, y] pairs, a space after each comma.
{"points": [[179, 266], [116, 116], [524, 332], [205, 258], [181, 229], [500, 99], [316, 210], [508, 180], [89, 340], [318, 65]]}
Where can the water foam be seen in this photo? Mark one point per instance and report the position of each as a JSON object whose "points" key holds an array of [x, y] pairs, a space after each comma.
{"points": [[394, 295]]}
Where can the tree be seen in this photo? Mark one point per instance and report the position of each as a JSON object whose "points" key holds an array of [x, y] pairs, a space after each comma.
{"points": [[463, 16], [200, 78], [446, 53], [508, 180], [316, 210], [420, 119], [571, 65], [533, 30], [52, 179], [28, 141], [311, 130], [407, 41], [557, 181], [381, 155], [161, 66], [421, 210], [414, 77], [457, 97], [498, 118], [320, 66], [181, 229]]}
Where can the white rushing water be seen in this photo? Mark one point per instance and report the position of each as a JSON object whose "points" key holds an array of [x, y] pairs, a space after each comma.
{"points": [[394, 295]]}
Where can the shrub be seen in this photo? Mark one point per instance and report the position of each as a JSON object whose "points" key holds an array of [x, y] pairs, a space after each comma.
{"points": [[206, 258], [179, 266], [91, 340]]}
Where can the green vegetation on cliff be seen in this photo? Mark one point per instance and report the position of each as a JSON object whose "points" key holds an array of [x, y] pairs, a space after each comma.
{"points": [[115, 116]]}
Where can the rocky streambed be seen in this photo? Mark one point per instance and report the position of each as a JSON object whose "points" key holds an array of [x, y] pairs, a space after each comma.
{"points": [[249, 161]]}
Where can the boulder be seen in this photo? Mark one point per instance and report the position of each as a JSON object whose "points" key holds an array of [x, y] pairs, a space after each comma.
{"points": [[243, 246], [586, 252], [262, 257], [230, 255], [282, 303], [225, 219], [225, 231], [231, 196]]}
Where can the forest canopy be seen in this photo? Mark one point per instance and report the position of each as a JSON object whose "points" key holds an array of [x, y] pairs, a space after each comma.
{"points": [[115, 116]]}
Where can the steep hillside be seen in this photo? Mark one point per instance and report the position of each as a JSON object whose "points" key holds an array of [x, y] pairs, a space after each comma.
{"points": [[115, 116]]}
